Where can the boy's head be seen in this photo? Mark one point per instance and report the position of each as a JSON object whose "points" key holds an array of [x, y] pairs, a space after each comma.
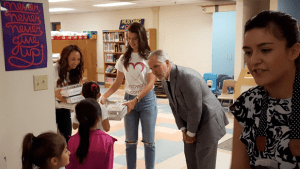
{"points": [[91, 89]]}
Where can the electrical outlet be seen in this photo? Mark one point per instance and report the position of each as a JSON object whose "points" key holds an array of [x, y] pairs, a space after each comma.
{"points": [[40, 82]]}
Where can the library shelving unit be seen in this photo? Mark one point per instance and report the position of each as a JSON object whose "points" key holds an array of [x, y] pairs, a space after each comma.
{"points": [[88, 48], [114, 45]]}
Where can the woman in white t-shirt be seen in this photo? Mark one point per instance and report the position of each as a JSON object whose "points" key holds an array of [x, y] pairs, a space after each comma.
{"points": [[67, 71], [139, 83]]}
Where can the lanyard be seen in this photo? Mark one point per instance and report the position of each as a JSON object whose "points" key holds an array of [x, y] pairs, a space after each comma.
{"points": [[294, 120]]}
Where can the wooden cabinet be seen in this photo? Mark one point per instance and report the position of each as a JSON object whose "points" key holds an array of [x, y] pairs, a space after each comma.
{"points": [[89, 51], [151, 35], [114, 45]]}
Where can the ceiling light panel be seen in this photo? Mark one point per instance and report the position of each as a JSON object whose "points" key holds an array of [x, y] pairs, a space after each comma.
{"points": [[57, 0], [60, 9], [114, 4]]}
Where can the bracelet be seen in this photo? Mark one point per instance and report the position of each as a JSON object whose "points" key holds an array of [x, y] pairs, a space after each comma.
{"points": [[138, 100]]}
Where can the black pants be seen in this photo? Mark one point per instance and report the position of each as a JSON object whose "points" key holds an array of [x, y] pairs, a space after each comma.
{"points": [[63, 121]]}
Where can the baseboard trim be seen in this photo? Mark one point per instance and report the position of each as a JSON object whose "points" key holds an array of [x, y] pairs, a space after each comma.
{"points": [[101, 83]]}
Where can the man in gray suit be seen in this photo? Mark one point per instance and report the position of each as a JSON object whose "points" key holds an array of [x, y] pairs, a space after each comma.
{"points": [[198, 113]]}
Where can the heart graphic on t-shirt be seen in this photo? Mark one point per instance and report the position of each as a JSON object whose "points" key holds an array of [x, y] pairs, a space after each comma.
{"points": [[135, 72]]}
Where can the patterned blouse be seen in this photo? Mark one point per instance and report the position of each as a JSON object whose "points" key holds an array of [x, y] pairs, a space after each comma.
{"points": [[247, 111]]}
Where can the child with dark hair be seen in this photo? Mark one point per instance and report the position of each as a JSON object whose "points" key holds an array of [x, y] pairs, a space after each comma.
{"points": [[47, 150], [90, 147], [91, 89]]}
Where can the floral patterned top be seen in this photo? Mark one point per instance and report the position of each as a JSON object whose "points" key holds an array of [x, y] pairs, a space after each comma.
{"points": [[247, 111]]}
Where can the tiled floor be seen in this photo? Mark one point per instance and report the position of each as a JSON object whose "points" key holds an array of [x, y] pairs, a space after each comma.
{"points": [[168, 140]]}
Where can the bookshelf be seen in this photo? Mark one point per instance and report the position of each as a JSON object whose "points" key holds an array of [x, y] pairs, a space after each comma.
{"points": [[114, 45]]}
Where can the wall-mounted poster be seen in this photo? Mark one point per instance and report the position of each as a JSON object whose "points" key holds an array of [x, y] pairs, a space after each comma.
{"points": [[125, 23], [24, 36]]}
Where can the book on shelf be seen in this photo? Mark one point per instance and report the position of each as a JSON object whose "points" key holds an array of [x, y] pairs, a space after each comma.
{"points": [[116, 48], [110, 79], [109, 57], [122, 48], [121, 37], [105, 47], [109, 68], [104, 37], [113, 70], [112, 47], [116, 37], [109, 47], [113, 36], [109, 37]]}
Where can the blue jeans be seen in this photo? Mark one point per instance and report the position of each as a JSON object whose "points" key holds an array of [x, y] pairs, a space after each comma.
{"points": [[146, 111]]}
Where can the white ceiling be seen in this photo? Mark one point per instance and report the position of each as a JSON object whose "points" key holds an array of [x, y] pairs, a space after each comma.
{"points": [[87, 5]]}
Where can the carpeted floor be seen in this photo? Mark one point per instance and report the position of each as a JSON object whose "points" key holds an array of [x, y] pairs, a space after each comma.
{"points": [[226, 145]]}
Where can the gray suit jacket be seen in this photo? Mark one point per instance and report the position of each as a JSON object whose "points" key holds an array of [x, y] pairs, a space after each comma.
{"points": [[194, 106]]}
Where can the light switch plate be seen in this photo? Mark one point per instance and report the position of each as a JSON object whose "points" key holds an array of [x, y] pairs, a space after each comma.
{"points": [[40, 82]]}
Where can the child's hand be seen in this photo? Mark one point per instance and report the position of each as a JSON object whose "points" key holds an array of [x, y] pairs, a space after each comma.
{"points": [[130, 105], [59, 96]]}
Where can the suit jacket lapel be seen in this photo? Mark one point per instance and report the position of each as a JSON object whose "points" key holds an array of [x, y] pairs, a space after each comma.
{"points": [[168, 93], [173, 82]]}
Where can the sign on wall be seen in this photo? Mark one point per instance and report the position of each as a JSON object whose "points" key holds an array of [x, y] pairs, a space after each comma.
{"points": [[24, 37], [125, 23]]}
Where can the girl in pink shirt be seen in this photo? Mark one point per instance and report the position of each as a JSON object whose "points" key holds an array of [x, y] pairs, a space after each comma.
{"points": [[90, 147]]}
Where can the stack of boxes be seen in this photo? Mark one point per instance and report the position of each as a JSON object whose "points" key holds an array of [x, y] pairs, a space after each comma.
{"points": [[116, 109], [72, 94]]}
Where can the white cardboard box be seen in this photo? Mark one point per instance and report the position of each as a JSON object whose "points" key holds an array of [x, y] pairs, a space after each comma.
{"points": [[115, 110], [64, 105], [74, 99], [71, 92]]}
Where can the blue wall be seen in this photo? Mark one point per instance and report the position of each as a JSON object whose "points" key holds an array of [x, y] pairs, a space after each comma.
{"points": [[223, 42], [291, 7]]}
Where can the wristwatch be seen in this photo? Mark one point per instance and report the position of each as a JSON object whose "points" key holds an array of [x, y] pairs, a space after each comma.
{"points": [[138, 100]]}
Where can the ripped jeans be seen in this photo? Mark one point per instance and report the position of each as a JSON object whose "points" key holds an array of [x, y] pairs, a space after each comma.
{"points": [[146, 111]]}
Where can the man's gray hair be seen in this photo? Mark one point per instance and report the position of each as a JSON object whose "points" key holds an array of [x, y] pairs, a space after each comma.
{"points": [[161, 56]]}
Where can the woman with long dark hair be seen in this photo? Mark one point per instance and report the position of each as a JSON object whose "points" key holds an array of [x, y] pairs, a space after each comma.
{"points": [[67, 71], [139, 84]]}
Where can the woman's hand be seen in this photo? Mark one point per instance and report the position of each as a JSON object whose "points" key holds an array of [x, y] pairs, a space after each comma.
{"points": [[59, 96], [103, 100], [130, 105]]}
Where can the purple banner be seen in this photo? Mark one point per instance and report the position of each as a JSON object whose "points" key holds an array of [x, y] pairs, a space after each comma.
{"points": [[24, 37]]}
